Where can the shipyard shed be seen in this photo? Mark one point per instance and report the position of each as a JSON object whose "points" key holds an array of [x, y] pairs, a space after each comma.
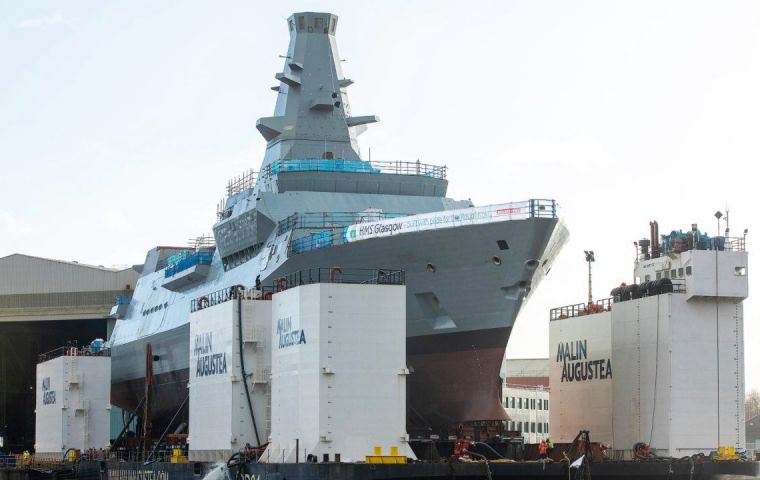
{"points": [[45, 303]]}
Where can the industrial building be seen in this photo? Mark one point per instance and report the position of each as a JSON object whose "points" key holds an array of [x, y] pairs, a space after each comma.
{"points": [[526, 397], [44, 304], [752, 432]]}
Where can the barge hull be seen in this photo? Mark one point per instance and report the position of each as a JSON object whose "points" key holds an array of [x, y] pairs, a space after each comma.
{"points": [[656, 470]]}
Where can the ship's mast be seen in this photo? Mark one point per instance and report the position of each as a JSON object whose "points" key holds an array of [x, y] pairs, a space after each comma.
{"points": [[312, 118]]}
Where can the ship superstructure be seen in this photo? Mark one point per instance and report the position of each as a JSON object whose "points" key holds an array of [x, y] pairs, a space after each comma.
{"points": [[315, 202]]}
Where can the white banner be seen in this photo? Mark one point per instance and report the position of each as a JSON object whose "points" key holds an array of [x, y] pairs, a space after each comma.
{"points": [[436, 220]]}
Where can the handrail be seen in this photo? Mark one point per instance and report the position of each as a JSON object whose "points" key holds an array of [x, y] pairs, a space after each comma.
{"points": [[679, 242], [603, 305], [534, 208], [331, 219], [353, 166], [227, 294], [364, 276], [580, 309], [73, 351]]}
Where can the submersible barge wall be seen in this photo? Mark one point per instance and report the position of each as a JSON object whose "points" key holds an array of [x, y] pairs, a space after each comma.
{"points": [[677, 469]]}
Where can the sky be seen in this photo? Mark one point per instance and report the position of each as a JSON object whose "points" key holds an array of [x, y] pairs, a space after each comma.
{"points": [[121, 122]]}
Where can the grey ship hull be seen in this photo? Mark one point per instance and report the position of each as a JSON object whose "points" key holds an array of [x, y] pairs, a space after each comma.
{"points": [[459, 317], [464, 290]]}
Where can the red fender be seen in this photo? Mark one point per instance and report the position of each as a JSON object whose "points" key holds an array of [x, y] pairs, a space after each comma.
{"points": [[334, 271]]}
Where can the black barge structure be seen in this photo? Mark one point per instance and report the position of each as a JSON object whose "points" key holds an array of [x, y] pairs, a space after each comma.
{"points": [[686, 469]]}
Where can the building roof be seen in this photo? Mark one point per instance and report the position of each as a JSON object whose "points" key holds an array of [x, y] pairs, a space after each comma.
{"points": [[527, 367], [26, 274], [65, 262], [526, 372]]}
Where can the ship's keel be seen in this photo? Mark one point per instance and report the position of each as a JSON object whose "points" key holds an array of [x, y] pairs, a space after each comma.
{"points": [[455, 379]]}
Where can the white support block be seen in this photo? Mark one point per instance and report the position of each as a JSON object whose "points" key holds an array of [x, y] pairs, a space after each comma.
{"points": [[220, 416], [342, 348], [73, 404]]}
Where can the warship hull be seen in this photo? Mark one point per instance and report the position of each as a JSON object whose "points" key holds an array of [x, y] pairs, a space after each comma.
{"points": [[315, 203], [464, 292]]}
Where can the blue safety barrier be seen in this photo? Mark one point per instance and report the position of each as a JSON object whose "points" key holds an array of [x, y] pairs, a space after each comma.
{"points": [[198, 258], [315, 241], [296, 165], [122, 300]]}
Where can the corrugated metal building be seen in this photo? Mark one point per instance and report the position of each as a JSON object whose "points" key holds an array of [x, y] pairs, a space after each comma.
{"points": [[44, 304]]}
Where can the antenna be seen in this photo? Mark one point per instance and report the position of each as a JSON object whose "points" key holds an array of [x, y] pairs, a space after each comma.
{"points": [[589, 259], [726, 219]]}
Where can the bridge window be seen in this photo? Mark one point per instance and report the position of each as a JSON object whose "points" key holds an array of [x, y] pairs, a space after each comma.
{"points": [[319, 23]]}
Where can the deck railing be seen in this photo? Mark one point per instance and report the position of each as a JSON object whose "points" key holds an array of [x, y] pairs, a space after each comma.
{"points": [[684, 242], [353, 166], [365, 276], [605, 304], [74, 351], [331, 219], [581, 309], [339, 234], [230, 293], [250, 178]]}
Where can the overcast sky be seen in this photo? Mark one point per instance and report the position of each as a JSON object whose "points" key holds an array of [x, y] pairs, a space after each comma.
{"points": [[120, 122]]}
